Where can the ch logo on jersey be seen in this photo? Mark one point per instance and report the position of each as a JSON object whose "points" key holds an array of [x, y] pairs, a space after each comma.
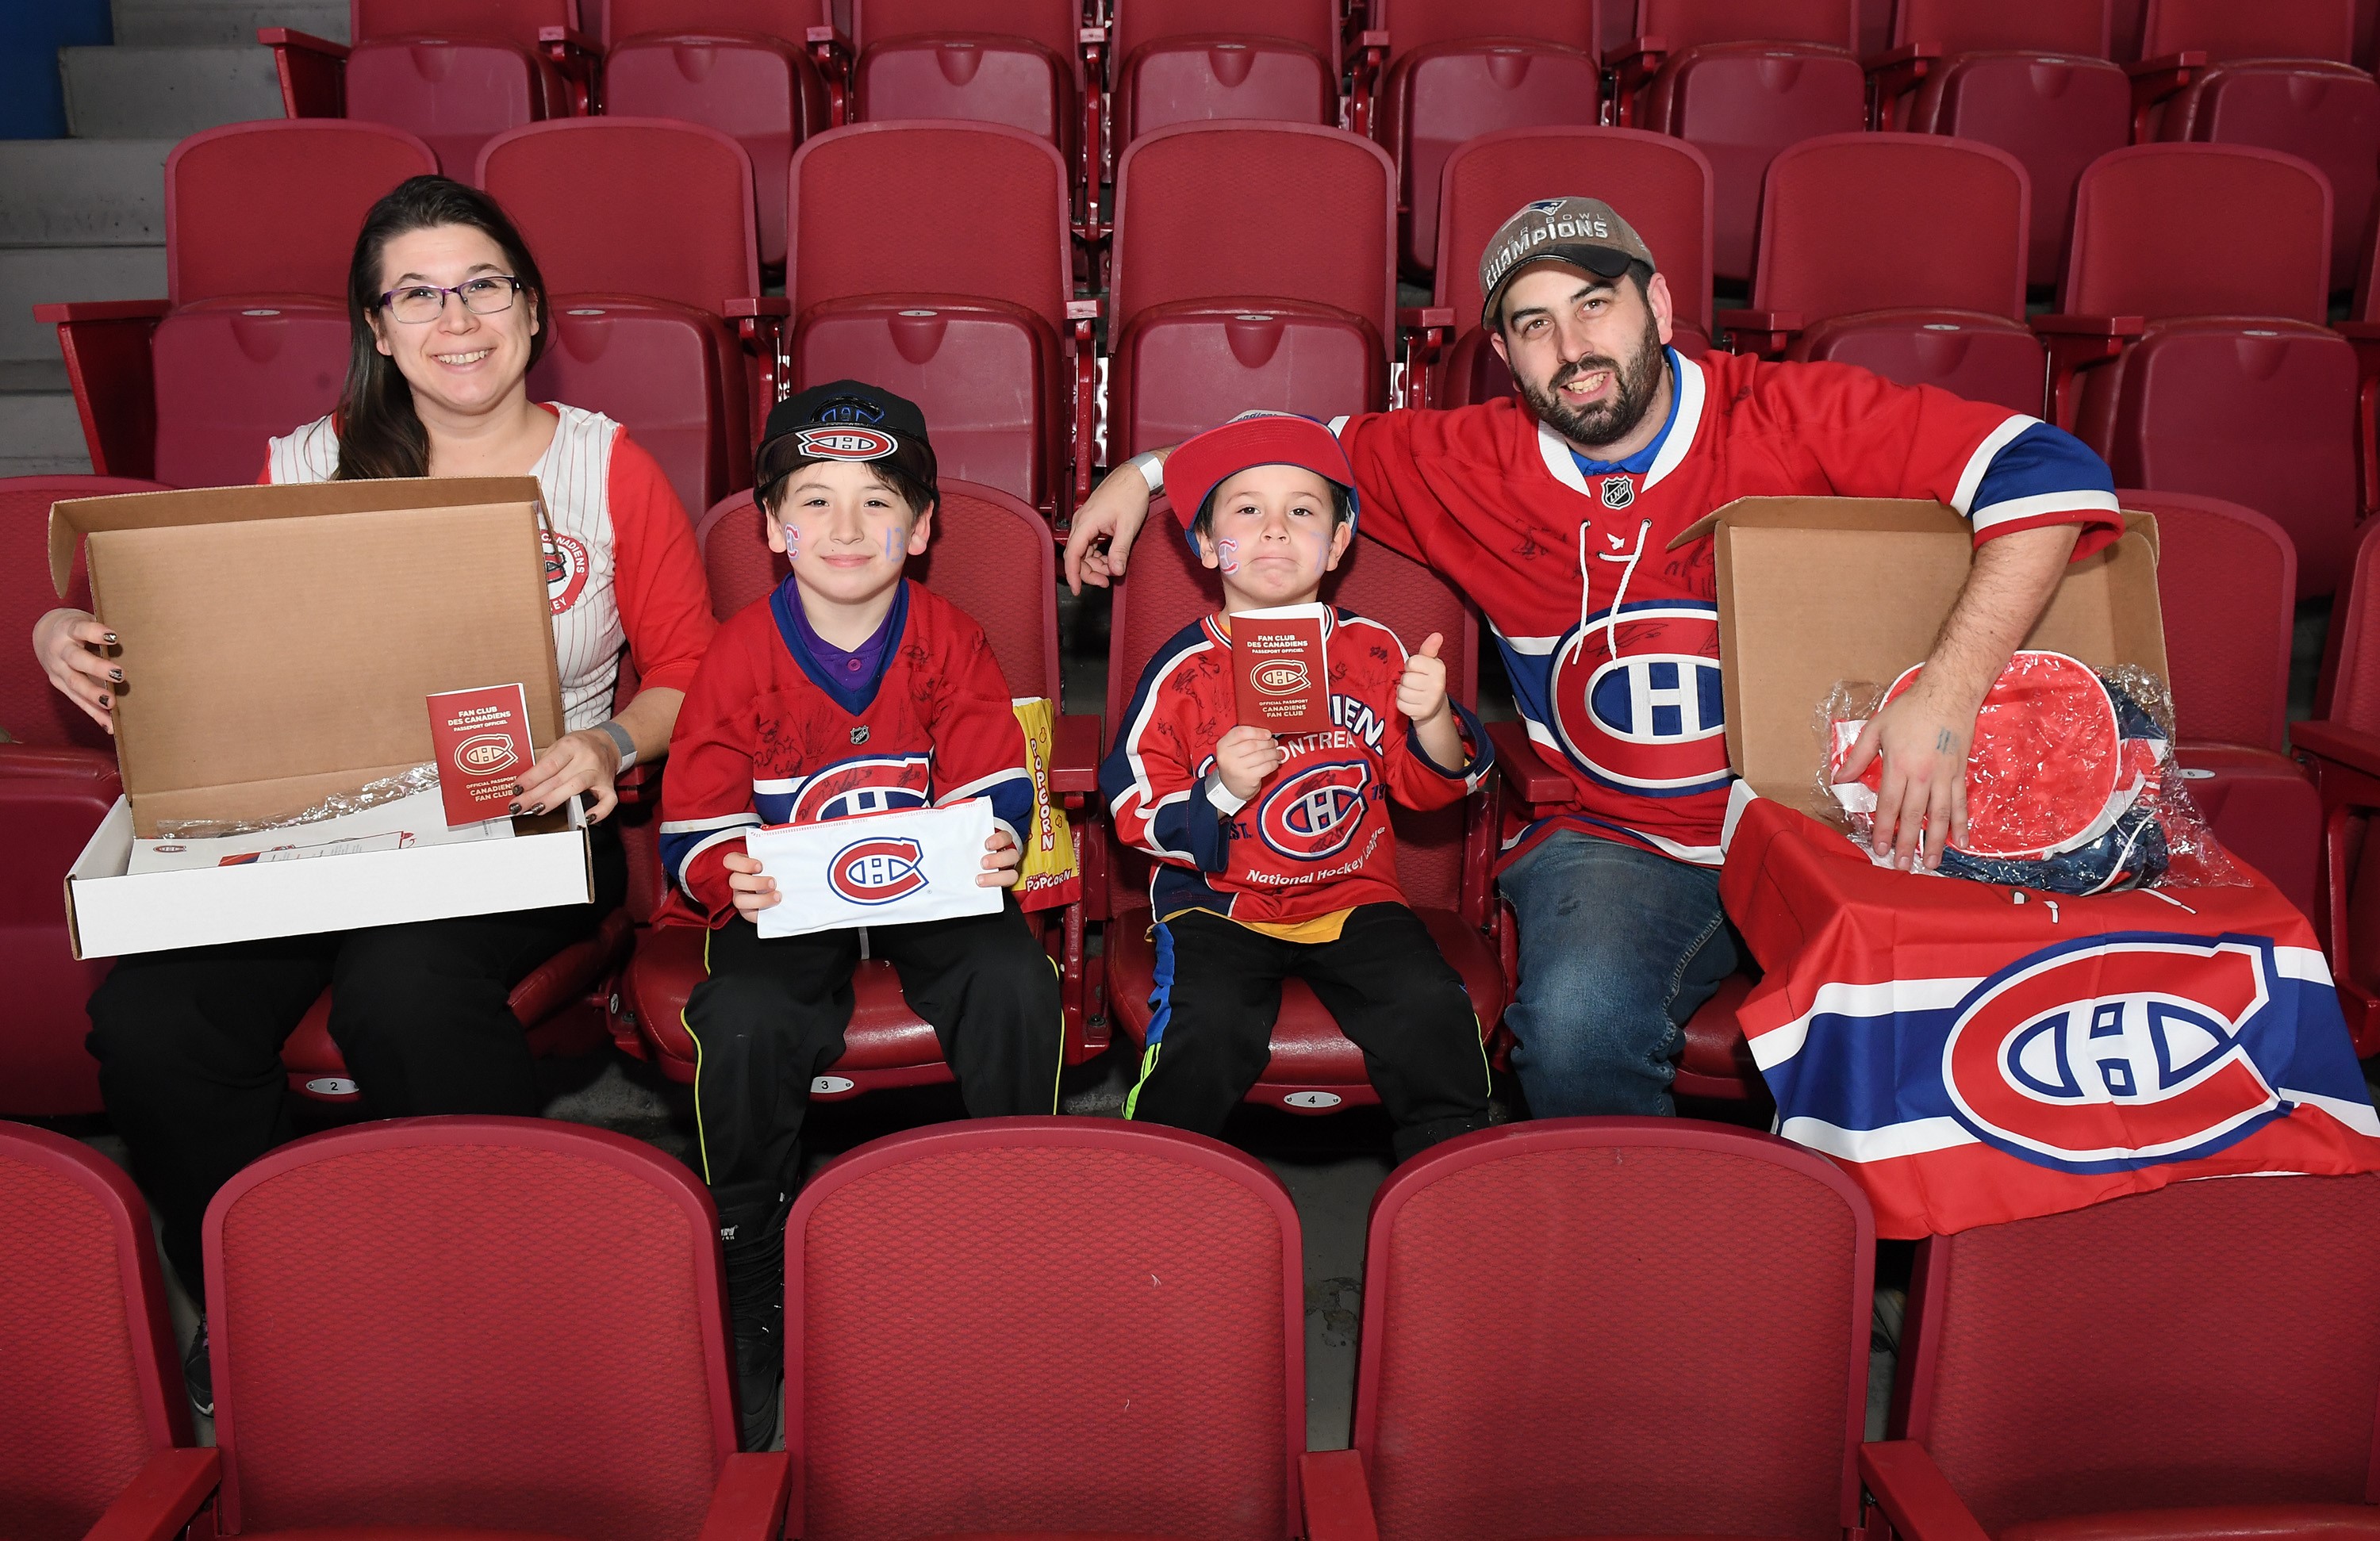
{"points": [[848, 442], [2124, 1051], [1619, 492], [877, 871], [566, 569], [1637, 703], [847, 788], [1315, 812]]}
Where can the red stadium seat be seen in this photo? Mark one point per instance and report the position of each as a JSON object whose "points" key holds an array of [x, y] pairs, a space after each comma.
{"points": [[1661, 185], [2235, 388], [1461, 69], [1442, 857], [622, 212], [2030, 77], [475, 1263], [2046, 1390], [1903, 253], [2342, 748], [2233, 574], [1743, 79], [93, 1438], [623, 354], [983, 539], [978, 329], [2283, 76], [1192, 61], [1487, 1250], [1017, 63], [455, 72], [57, 781], [741, 67], [252, 338], [1255, 266], [1045, 1326]]}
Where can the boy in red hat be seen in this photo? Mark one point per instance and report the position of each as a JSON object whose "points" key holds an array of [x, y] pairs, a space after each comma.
{"points": [[1275, 854]]}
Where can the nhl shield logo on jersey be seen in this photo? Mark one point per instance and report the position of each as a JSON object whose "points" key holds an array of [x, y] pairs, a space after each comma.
{"points": [[877, 871], [2124, 1050], [1315, 812], [1619, 492], [566, 569], [1637, 699]]}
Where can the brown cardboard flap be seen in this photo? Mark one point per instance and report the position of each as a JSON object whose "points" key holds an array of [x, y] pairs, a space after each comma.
{"points": [[1816, 592], [222, 505], [271, 657]]}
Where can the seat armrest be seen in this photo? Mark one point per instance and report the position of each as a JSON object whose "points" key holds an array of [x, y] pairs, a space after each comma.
{"points": [[164, 1497], [1423, 334], [1371, 55], [1083, 324], [832, 51], [2343, 747], [749, 1502], [1532, 781], [1765, 333], [1075, 759], [2365, 337], [640, 783], [106, 347], [1338, 1498], [1914, 1495], [1633, 67], [312, 72], [2074, 344], [759, 322], [1893, 74], [2155, 79], [1092, 168], [578, 58]]}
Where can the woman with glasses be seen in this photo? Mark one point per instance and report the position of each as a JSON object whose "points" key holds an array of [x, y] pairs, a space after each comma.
{"points": [[448, 312]]}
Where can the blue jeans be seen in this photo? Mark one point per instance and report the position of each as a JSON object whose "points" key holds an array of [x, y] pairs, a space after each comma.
{"points": [[1619, 946]]}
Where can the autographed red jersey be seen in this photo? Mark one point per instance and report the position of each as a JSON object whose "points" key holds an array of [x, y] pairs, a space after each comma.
{"points": [[1610, 638], [760, 739], [1316, 837]]}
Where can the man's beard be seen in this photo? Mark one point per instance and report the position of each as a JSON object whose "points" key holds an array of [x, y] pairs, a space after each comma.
{"points": [[1608, 420]]}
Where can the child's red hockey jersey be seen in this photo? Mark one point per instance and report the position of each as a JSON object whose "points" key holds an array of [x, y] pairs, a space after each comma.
{"points": [[760, 740], [1610, 638], [1316, 837]]}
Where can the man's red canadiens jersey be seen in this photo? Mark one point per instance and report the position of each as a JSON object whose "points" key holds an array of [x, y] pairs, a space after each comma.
{"points": [[760, 741], [1611, 638], [1316, 837]]}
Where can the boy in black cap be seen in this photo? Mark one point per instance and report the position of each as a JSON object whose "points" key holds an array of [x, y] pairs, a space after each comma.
{"points": [[848, 690]]}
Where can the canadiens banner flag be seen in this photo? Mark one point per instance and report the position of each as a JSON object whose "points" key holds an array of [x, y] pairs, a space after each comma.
{"points": [[1973, 1053]]}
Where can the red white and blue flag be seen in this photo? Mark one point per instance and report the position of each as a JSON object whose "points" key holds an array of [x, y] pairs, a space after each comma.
{"points": [[1971, 1056]]}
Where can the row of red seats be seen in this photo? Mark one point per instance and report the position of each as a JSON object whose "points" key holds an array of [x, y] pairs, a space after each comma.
{"points": [[2228, 569], [1253, 266], [1032, 1326], [1741, 79]]}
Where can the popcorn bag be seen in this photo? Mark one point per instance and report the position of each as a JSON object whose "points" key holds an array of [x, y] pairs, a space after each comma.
{"points": [[1052, 873], [2071, 786]]}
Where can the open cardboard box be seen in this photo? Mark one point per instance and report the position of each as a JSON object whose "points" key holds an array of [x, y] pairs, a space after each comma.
{"points": [[1814, 591], [278, 645]]}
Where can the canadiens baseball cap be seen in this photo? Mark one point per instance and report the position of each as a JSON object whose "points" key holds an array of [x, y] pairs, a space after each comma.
{"points": [[845, 419], [1205, 462], [1585, 232]]}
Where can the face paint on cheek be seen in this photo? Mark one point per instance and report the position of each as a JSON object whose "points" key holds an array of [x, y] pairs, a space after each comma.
{"points": [[1227, 554], [792, 543], [892, 544]]}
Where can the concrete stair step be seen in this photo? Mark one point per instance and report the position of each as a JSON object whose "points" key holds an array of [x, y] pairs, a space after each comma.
{"points": [[188, 23], [40, 434], [141, 92], [82, 192], [34, 275]]}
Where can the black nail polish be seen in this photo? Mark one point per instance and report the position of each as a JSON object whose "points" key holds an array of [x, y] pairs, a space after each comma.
{"points": [[516, 809], [111, 638], [517, 790], [106, 701], [116, 674]]}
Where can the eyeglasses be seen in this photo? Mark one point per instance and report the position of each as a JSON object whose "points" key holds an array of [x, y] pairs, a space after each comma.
{"points": [[426, 302]]}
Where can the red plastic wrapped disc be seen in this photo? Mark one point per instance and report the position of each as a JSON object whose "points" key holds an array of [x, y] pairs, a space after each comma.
{"points": [[2048, 772]]}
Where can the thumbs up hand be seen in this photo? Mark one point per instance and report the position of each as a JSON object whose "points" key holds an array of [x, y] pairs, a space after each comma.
{"points": [[1421, 690]]}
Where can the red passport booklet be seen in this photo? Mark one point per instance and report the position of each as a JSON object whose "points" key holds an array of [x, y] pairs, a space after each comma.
{"points": [[481, 741], [1282, 675]]}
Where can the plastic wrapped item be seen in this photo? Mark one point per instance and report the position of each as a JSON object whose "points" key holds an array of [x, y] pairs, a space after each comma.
{"points": [[2071, 786], [387, 789]]}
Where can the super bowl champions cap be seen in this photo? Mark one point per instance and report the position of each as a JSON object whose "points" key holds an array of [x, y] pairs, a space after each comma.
{"points": [[1259, 438], [845, 419], [1585, 232]]}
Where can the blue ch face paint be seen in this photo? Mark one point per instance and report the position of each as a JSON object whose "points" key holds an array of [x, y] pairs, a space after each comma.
{"points": [[1227, 554], [892, 544]]}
